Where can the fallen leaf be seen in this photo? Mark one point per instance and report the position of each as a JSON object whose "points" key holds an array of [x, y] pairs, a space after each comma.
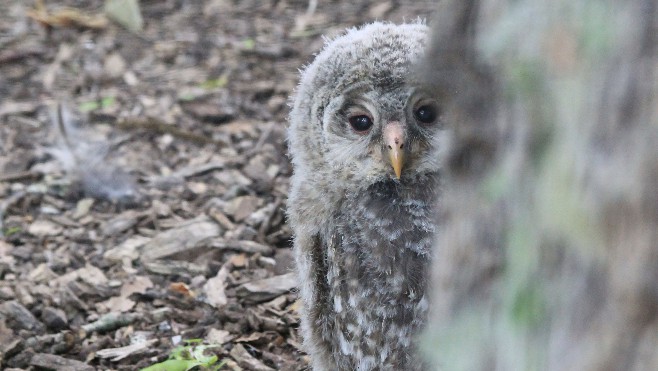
{"points": [[216, 336], [125, 13], [66, 17]]}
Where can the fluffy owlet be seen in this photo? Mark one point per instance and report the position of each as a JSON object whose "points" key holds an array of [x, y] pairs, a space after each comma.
{"points": [[364, 139]]}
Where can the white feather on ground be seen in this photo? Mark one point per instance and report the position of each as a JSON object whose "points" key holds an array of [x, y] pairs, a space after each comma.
{"points": [[87, 161]]}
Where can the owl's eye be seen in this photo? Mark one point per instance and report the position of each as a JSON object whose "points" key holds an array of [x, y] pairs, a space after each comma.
{"points": [[427, 113], [360, 123]]}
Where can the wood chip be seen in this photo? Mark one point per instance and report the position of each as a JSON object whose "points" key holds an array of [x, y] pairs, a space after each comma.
{"points": [[122, 303], [120, 223], [379, 10], [168, 267], [199, 169], [216, 336], [118, 354], [127, 250], [214, 288], [221, 218], [42, 273], [21, 315], [266, 289], [241, 207], [82, 208], [180, 239], [43, 228], [246, 360], [57, 363], [242, 245]]}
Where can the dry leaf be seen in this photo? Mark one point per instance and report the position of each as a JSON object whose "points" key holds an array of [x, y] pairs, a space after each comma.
{"points": [[181, 288], [66, 17], [216, 336]]}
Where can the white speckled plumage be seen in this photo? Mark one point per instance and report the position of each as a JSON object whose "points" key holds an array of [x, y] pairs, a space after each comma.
{"points": [[362, 236]]}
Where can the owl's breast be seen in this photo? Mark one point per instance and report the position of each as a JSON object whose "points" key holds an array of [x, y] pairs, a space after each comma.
{"points": [[391, 218], [378, 260]]}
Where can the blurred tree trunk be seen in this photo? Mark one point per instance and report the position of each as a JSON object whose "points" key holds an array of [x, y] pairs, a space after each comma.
{"points": [[548, 255]]}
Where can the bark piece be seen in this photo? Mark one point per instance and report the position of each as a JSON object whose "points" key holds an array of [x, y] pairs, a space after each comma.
{"points": [[21, 316], [54, 318], [266, 289], [243, 246], [57, 363], [120, 353], [241, 207], [180, 239], [246, 360], [44, 228], [214, 288]]}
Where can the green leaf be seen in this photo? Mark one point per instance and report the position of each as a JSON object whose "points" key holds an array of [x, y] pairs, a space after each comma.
{"points": [[187, 97], [529, 306], [12, 230], [173, 365], [88, 106], [219, 82], [249, 44], [186, 357], [107, 102], [197, 354]]}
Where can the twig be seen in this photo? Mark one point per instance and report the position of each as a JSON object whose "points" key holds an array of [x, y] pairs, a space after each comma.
{"points": [[11, 56], [23, 175], [267, 223], [111, 321]]}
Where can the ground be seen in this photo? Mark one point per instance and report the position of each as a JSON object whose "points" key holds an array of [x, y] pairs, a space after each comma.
{"points": [[144, 178]]}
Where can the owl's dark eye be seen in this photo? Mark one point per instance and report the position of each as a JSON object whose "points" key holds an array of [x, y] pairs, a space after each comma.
{"points": [[360, 123], [427, 113]]}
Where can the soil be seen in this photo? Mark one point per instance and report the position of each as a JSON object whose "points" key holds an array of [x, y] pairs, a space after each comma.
{"points": [[144, 178]]}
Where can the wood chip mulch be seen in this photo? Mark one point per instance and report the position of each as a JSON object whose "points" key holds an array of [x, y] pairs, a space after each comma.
{"points": [[144, 177]]}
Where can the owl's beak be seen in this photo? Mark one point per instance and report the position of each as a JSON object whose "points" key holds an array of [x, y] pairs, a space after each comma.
{"points": [[394, 141]]}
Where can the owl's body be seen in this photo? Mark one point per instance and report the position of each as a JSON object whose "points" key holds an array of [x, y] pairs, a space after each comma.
{"points": [[364, 140], [377, 260]]}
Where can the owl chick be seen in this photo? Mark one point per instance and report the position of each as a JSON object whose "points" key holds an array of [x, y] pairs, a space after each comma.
{"points": [[364, 139]]}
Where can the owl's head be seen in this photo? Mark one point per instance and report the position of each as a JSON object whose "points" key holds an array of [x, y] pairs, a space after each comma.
{"points": [[361, 114]]}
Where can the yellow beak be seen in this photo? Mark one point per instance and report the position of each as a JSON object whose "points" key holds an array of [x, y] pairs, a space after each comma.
{"points": [[394, 140], [396, 155]]}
